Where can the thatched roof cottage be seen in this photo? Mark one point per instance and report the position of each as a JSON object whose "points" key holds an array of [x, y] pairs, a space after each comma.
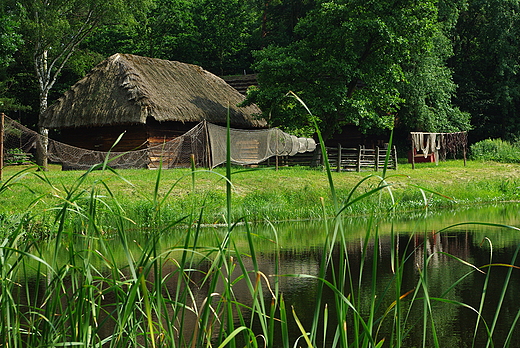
{"points": [[151, 100]]}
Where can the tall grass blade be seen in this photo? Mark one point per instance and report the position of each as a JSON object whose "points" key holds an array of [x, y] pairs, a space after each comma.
{"points": [[305, 335], [502, 296], [388, 152], [322, 147]]}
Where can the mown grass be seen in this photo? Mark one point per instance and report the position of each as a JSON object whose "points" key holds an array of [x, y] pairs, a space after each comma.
{"points": [[286, 194]]}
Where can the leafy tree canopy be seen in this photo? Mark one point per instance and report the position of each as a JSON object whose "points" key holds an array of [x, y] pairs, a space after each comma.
{"points": [[486, 66], [53, 30], [430, 89], [10, 41], [350, 65]]}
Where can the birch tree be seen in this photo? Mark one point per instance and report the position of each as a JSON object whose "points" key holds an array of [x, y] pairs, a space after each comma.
{"points": [[53, 29]]}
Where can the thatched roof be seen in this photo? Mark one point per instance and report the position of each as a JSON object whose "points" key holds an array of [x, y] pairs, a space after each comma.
{"points": [[126, 89]]}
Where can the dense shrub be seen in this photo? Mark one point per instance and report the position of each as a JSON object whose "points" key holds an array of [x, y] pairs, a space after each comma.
{"points": [[495, 150]]}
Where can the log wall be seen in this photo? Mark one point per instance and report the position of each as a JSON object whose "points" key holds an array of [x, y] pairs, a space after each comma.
{"points": [[103, 138]]}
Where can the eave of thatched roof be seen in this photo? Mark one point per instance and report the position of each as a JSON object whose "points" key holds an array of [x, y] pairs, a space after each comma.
{"points": [[127, 89]]}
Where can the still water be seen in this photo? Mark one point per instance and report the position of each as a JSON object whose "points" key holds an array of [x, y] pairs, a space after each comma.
{"points": [[453, 262], [456, 288]]}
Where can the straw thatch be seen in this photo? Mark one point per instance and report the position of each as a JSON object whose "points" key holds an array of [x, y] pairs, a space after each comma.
{"points": [[128, 89]]}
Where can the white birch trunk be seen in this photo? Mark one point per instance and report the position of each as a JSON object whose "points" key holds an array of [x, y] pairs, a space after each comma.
{"points": [[45, 85]]}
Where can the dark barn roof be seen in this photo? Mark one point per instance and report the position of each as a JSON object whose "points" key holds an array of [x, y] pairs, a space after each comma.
{"points": [[127, 89]]}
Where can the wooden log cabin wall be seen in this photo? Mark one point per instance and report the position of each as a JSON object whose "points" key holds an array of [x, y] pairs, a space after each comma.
{"points": [[135, 137]]}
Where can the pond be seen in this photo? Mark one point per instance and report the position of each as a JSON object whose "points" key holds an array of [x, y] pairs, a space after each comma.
{"points": [[410, 280], [456, 288], [456, 276]]}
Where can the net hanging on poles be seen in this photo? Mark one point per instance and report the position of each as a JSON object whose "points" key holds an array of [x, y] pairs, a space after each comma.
{"points": [[205, 142], [254, 146]]}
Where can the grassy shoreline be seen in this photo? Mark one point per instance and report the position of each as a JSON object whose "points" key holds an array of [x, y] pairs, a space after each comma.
{"points": [[96, 286], [260, 194]]}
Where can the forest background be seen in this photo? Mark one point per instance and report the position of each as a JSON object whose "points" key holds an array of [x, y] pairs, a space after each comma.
{"points": [[418, 65]]}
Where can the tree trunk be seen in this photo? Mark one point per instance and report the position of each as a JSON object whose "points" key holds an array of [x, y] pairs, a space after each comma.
{"points": [[41, 149], [45, 83]]}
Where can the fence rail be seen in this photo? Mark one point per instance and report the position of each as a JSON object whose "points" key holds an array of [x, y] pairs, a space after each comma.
{"points": [[343, 159], [356, 159]]}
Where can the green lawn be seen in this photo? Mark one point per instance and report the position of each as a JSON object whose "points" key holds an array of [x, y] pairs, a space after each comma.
{"points": [[261, 193], [69, 248]]}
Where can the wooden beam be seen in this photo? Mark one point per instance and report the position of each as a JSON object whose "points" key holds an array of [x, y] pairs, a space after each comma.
{"points": [[395, 156], [413, 153], [358, 164], [339, 158], [376, 164]]}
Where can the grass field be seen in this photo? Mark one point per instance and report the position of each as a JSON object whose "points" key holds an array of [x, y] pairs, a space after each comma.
{"points": [[90, 288], [263, 193]]}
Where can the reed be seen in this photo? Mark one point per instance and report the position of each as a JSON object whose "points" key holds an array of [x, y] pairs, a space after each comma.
{"points": [[359, 322], [93, 284]]}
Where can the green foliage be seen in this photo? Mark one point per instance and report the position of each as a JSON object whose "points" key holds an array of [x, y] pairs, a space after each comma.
{"points": [[279, 19], [170, 31], [10, 38], [353, 64], [7, 101], [10, 41], [495, 150], [213, 34], [430, 88], [223, 29], [485, 65], [53, 30]]}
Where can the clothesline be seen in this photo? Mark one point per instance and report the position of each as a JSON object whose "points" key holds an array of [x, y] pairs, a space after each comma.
{"points": [[432, 142]]}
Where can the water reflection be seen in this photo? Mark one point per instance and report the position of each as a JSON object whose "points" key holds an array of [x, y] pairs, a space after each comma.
{"points": [[446, 261]]}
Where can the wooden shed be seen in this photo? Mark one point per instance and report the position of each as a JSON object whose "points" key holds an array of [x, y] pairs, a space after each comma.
{"points": [[149, 100]]}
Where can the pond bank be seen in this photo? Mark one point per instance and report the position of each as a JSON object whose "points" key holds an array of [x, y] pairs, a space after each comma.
{"points": [[148, 197]]}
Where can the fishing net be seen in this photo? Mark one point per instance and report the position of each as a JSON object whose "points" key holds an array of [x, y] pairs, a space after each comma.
{"points": [[171, 154], [18, 142], [254, 146], [205, 144]]}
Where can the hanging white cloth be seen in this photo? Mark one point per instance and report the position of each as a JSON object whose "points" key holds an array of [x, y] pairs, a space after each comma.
{"points": [[427, 143]]}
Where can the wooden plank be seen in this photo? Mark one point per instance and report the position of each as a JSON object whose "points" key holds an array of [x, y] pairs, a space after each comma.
{"points": [[339, 158], [351, 159]]}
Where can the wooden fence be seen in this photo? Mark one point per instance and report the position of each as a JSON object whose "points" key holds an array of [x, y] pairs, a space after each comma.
{"points": [[356, 159], [342, 159]]}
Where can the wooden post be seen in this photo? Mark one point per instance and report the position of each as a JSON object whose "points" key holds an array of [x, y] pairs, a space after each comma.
{"points": [[413, 153], [316, 156], [394, 154], [464, 153], [377, 159], [276, 157], [339, 158], [358, 166], [209, 154], [1, 144], [319, 156]]}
